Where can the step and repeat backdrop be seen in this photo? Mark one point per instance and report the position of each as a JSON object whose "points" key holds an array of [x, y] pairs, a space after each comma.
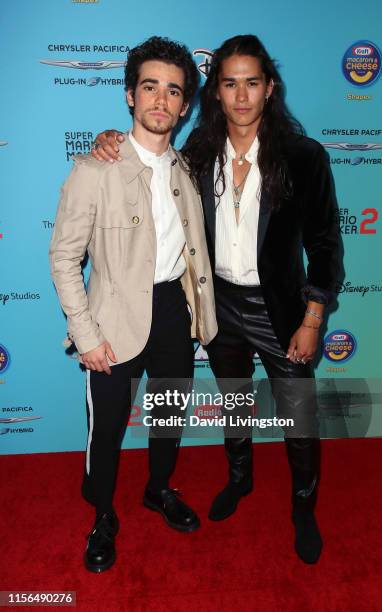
{"points": [[62, 67]]}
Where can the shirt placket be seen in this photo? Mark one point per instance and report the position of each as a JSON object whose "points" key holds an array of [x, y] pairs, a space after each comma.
{"points": [[236, 249], [234, 231], [158, 217]]}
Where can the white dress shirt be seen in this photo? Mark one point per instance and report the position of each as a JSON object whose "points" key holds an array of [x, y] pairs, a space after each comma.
{"points": [[236, 243], [170, 263]]}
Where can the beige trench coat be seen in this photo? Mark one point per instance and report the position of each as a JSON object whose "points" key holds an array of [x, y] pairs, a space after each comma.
{"points": [[105, 209]]}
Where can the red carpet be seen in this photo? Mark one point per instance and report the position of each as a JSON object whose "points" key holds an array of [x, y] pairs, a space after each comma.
{"points": [[244, 563]]}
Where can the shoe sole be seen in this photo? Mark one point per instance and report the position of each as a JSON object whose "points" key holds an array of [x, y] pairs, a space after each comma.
{"points": [[186, 529], [222, 517]]}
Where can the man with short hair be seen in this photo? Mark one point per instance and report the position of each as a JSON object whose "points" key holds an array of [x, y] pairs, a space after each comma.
{"points": [[267, 195], [141, 222]]}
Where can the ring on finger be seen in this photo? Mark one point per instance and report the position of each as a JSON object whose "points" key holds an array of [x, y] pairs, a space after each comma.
{"points": [[95, 145]]}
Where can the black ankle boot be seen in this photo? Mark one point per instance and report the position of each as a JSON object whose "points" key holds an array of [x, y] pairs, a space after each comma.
{"points": [[303, 456], [225, 503], [308, 541], [239, 455]]}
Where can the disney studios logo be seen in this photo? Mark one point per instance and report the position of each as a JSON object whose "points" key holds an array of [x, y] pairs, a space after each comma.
{"points": [[206, 58]]}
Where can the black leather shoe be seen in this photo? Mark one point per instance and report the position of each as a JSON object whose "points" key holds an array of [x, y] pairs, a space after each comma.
{"points": [[175, 512], [100, 551], [225, 503], [308, 542]]}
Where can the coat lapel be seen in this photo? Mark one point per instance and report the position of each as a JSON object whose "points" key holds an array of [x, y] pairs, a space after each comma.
{"points": [[264, 216], [208, 201]]}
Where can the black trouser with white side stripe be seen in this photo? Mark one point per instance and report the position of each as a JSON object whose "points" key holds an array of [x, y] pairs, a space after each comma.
{"points": [[167, 354]]}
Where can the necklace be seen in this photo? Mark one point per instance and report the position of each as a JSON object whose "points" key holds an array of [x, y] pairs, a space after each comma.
{"points": [[237, 192], [241, 159]]}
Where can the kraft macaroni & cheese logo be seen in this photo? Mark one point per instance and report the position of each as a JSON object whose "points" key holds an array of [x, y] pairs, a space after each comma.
{"points": [[339, 345], [361, 63], [5, 359]]}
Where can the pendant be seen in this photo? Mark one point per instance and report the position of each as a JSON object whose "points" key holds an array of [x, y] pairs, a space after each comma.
{"points": [[236, 204], [241, 160]]}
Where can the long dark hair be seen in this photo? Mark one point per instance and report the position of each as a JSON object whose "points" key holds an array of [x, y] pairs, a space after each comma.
{"points": [[208, 140]]}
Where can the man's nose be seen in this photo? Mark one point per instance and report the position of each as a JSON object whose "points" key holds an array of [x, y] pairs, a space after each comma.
{"points": [[241, 92], [161, 97]]}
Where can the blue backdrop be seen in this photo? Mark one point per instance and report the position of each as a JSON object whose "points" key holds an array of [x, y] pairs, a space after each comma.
{"points": [[62, 82]]}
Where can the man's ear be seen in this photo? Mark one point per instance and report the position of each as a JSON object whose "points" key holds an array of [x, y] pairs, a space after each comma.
{"points": [[130, 97], [184, 109]]}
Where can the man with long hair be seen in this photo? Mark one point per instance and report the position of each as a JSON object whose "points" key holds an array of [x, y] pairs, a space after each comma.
{"points": [[267, 195], [142, 225]]}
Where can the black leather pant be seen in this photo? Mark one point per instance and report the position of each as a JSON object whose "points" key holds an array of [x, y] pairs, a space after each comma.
{"points": [[245, 328]]}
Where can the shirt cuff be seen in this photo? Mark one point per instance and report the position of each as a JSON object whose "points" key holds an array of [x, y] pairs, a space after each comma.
{"points": [[315, 294]]}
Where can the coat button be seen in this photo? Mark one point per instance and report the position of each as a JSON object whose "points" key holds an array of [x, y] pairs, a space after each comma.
{"points": [[185, 222], [202, 279], [192, 251], [135, 220], [176, 192]]}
